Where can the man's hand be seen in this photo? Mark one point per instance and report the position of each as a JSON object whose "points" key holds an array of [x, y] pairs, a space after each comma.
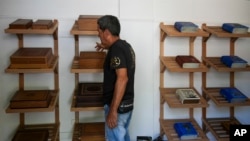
{"points": [[99, 47], [112, 119]]}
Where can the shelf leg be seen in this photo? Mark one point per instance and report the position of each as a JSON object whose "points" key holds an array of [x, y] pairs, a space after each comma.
{"points": [[22, 119], [21, 81]]}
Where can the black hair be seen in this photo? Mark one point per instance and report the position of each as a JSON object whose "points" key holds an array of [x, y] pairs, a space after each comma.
{"points": [[110, 23]]}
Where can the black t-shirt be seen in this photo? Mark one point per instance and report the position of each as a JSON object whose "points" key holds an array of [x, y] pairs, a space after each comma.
{"points": [[120, 55]]}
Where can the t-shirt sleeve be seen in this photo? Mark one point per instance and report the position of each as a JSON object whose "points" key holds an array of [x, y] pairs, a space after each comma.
{"points": [[117, 59]]}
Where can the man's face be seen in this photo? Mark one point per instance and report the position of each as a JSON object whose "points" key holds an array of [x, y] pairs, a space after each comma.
{"points": [[101, 35]]}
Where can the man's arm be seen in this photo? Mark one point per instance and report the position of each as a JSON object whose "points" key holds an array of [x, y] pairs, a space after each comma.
{"points": [[119, 91]]}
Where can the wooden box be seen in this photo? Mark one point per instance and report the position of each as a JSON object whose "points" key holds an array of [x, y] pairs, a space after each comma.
{"points": [[21, 24], [95, 88], [88, 22], [42, 24], [93, 131], [89, 95], [31, 58], [91, 60], [30, 99], [31, 135], [89, 101]]}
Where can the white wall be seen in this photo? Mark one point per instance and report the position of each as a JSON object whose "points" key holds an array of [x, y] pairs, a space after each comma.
{"points": [[140, 26]]}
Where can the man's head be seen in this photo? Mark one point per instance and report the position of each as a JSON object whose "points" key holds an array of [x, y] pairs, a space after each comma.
{"points": [[111, 23], [109, 29]]}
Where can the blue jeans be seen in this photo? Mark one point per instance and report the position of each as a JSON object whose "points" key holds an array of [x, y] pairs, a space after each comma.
{"points": [[120, 132]]}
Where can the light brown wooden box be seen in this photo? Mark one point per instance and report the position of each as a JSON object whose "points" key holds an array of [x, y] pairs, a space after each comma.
{"points": [[88, 22], [21, 24], [30, 99], [31, 135], [93, 131], [42, 24], [31, 58], [91, 60]]}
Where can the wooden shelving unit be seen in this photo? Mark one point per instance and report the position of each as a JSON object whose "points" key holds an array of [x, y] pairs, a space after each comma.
{"points": [[53, 68], [168, 94], [77, 71], [214, 124]]}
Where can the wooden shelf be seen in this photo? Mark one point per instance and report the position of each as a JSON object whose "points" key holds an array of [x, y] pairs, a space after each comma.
{"points": [[76, 69], [219, 66], [219, 100], [50, 108], [170, 30], [53, 68], [76, 31], [52, 128], [168, 127], [50, 69], [171, 65], [219, 32], [215, 127], [77, 133], [34, 31], [169, 96], [213, 93]]}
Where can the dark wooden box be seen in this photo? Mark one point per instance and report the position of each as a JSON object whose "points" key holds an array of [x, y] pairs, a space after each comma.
{"points": [[21, 24], [91, 60], [31, 58], [88, 22], [30, 99], [93, 131], [89, 101], [90, 88], [89, 95], [31, 135], [42, 24]]}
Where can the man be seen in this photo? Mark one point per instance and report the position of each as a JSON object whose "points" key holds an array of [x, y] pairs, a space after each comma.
{"points": [[118, 84]]}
